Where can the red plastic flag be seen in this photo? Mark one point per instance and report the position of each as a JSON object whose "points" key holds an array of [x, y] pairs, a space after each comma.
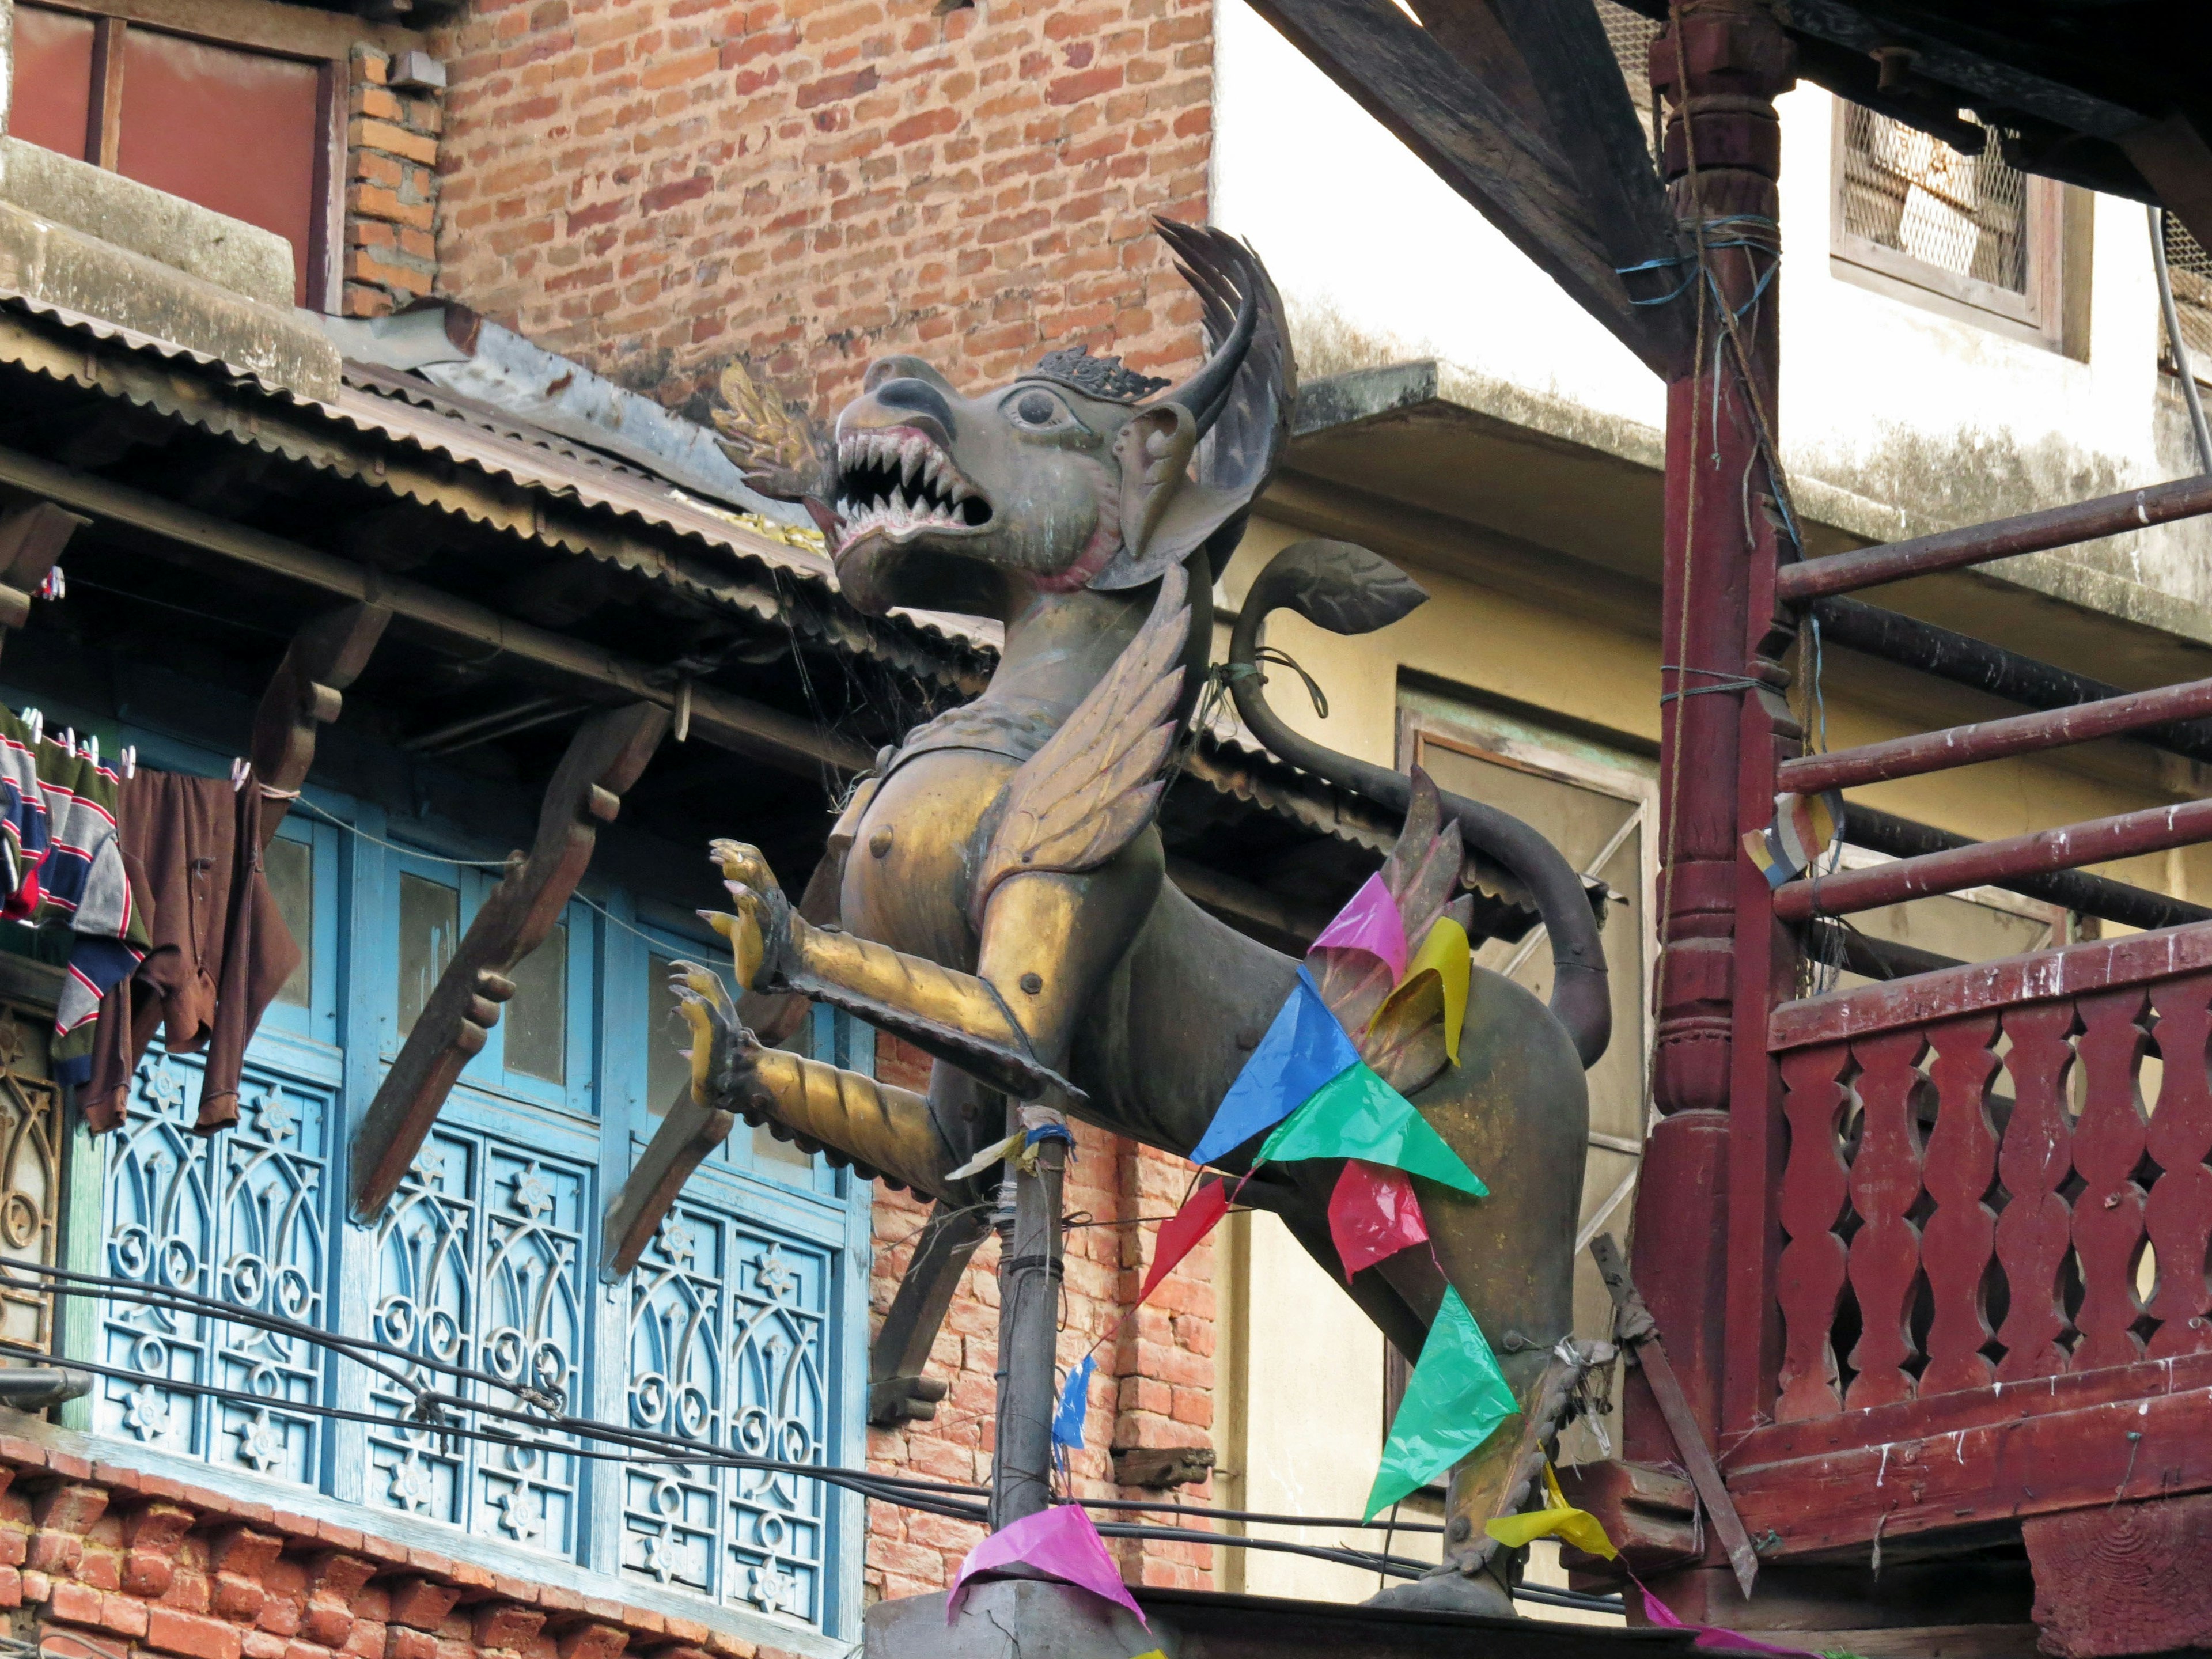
{"points": [[1372, 1214], [1181, 1232]]}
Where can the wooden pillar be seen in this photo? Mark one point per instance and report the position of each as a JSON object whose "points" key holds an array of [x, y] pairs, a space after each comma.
{"points": [[1719, 66]]}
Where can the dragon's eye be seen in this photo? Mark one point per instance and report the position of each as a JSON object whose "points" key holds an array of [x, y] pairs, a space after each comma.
{"points": [[1037, 409]]}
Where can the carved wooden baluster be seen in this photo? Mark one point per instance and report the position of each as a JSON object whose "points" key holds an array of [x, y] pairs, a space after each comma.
{"points": [[1884, 1256], [2179, 1215], [2108, 1148], [1815, 1183], [2036, 1230], [1960, 1239]]}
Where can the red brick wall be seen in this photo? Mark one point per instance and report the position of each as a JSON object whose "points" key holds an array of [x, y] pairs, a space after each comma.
{"points": [[657, 186], [392, 190], [135, 1566], [1154, 1384]]}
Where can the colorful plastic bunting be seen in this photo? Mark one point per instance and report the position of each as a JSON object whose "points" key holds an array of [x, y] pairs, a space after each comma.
{"points": [[1074, 1402], [1304, 1047], [997, 1152], [1370, 922], [1454, 1400], [1060, 1542], [1556, 1519], [1181, 1232], [1711, 1638], [1356, 1114], [1372, 1214], [1445, 953]]}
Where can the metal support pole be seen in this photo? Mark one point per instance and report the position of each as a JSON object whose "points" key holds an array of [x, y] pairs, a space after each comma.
{"points": [[1028, 1221]]}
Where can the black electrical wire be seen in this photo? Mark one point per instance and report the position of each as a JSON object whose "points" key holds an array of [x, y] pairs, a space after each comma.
{"points": [[1396, 1565], [1254, 1515], [1581, 1601]]}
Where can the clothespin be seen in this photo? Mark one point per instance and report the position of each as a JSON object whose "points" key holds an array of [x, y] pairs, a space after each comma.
{"points": [[239, 771], [92, 748], [34, 723], [56, 585], [68, 740], [128, 761]]}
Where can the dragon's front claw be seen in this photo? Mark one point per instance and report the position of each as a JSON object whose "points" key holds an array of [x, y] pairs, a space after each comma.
{"points": [[745, 864], [755, 924], [719, 1038]]}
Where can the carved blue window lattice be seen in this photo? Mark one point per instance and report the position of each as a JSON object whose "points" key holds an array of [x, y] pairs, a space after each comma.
{"points": [[727, 1349], [236, 1216], [478, 1262]]}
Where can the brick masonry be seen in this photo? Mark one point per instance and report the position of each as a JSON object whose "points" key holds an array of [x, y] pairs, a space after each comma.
{"points": [[392, 190], [129, 1563], [1154, 1384], [657, 187]]}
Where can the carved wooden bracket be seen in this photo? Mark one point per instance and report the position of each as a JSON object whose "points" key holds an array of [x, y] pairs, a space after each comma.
{"points": [[685, 1136], [31, 538], [604, 759], [324, 658]]}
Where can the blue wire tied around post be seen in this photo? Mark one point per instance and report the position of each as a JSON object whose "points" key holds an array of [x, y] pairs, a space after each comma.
{"points": [[1049, 1132]]}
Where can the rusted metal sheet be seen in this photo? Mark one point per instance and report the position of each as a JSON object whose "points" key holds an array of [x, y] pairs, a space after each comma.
{"points": [[2002, 538], [2126, 834], [1988, 740], [2038, 975]]}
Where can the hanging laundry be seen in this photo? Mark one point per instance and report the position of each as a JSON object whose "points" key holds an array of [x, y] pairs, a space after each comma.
{"points": [[84, 877], [220, 950]]}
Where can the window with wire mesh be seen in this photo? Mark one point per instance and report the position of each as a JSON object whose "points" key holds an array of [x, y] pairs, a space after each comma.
{"points": [[2190, 268], [1631, 34], [1910, 192]]}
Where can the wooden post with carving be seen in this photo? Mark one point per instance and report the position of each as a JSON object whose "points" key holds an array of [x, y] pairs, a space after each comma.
{"points": [[1719, 65], [604, 759], [307, 691]]}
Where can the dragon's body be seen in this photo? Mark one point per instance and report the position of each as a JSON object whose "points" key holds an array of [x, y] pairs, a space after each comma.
{"points": [[996, 892]]}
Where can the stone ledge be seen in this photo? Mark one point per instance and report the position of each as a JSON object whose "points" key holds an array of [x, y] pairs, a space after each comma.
{"points": [[59, 265], [247, 260]]}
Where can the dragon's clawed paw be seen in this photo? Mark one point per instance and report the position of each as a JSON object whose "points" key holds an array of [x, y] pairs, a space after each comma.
{"points": [[744, 864], [720, 1044]]}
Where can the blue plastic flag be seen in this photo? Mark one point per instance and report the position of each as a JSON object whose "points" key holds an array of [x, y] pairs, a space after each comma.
{"points": [[1303, 1048], [1074, 1400]]}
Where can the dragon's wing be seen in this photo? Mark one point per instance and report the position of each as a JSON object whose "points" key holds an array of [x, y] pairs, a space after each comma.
{"points": [[1084, 796]]}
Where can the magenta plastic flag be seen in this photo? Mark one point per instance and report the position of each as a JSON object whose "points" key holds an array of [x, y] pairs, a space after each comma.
{"points": [[1371, 922], [1061, 1542], [1712, 1637], [1372, 1214], [1181, 1232]]}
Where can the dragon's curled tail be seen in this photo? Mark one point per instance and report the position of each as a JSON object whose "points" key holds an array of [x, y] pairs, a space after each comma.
{"points": [[1348, 590]]}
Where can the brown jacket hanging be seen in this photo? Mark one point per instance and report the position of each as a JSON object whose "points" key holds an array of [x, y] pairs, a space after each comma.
{"points": [[221, 951]]}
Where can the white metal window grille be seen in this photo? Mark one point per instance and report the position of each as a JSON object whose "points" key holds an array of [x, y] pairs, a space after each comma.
{"points": [[2190, 268], [1909, 191]]}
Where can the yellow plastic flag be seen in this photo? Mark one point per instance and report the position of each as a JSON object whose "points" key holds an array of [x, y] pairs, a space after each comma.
{"points": [[1556, 1519], [1446, 953]]}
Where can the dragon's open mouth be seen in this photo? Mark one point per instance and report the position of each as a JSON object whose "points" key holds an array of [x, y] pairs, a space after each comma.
{"points": [[899, 481]]}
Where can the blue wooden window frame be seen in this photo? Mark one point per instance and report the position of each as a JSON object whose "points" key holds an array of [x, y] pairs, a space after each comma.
{"points": [[522, 1159]]}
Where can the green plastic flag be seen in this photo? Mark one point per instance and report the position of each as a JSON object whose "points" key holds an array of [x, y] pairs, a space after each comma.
{"points": [[1454, 1401], [1356, 1114]]}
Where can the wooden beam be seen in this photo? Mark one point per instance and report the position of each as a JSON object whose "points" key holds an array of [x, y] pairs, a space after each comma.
{"points": [[1590, 117], [2002, 538], [1989, 863], [604, 759], [897, 1391], [31, 538], [685, 1136], [1988, 740], [460, 625], [305, 692], [1471, 139], [2175, 161]]}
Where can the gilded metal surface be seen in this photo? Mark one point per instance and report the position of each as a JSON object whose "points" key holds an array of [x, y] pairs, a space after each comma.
{"points": [[1010, 897]]}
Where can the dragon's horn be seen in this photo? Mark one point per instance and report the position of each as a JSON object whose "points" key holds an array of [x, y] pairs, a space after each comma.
{"points": [[1227, 276]]}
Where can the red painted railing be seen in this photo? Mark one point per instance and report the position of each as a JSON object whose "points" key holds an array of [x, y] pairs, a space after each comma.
{"points": [[1974, 1170]]}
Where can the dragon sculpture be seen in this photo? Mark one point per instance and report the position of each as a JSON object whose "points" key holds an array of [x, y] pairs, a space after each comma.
{"points": [[995, 893]]}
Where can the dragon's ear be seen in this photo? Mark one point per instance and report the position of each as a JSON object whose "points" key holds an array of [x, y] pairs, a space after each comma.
{"points": [[1154, 449]]}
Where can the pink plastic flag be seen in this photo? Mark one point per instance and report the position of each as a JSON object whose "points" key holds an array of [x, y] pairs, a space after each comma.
{"points": [[1372, 1214], [1181, 1232], [1371, 923], [1711, 1636], [1058, 1541]]}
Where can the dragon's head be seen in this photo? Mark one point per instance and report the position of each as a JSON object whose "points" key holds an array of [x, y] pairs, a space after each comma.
{"points": [[1079, 473]]}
